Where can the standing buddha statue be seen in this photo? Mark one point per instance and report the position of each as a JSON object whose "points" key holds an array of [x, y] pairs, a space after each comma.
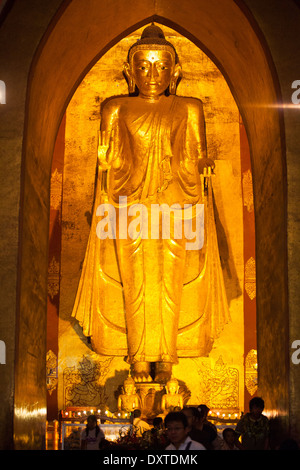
{"points": [[152, 152]]}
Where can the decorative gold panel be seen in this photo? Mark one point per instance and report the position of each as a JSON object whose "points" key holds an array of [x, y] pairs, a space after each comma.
{"points": [[251, 371], [248, 190], [82, 384], [53, 278], [219, 385], [250, 278], [56, 189], [51, 368]]}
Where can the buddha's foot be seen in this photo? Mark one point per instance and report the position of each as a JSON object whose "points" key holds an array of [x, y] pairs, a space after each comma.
{"points": [[163, 372], [141, 372]]}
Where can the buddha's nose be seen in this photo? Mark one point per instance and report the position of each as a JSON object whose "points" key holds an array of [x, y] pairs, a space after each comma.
{"points": [[153, 73]]}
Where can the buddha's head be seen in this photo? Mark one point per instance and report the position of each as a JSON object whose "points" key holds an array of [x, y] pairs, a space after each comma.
{"points": [[172, 386], [129, 386], [152, 64]]}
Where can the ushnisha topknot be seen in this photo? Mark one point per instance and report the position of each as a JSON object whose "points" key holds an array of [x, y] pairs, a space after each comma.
{"points": [[152, 36]]}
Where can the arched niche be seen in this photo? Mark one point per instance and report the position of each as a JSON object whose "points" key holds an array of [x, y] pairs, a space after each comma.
{"points": [[73, 188], [75, 39]]}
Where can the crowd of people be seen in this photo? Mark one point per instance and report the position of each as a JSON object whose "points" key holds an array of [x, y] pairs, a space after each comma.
{"points": [[190, 429]]}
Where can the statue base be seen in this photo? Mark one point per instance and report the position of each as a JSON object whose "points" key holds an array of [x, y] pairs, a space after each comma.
{"points": [[151, 394]]}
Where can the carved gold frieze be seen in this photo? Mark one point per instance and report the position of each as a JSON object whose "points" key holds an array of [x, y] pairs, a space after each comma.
{"points": [[248, 190], [53, 278], [250, 278], [51, 368], [251, 371], [56, 189], [219, 385], [82, 384]]}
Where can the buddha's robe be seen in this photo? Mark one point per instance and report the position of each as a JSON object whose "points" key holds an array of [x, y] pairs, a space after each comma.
{"points": [[156, 149]]}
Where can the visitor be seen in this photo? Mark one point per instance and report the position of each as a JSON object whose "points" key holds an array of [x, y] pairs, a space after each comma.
{"points": [[205, 410], [218, 441], [193, 416], [176, 424], [253, 427], [92, 435], [229, 439], [200, 431], [139, 425], [156, 436], [158, 424]]}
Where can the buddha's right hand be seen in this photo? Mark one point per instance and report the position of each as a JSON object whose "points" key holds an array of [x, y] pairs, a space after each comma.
{"points": [[105, 149]]}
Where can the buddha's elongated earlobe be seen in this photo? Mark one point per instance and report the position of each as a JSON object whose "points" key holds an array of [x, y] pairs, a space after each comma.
{"points": [[131, 85], [130, 79], [174, 79], [172, 86]]}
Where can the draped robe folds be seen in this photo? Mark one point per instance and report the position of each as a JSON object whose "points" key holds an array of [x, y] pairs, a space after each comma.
{"points": [[144, 313]]}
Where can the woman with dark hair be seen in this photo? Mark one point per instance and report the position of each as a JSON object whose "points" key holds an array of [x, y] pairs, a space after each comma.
{"points": [[92, 435]]}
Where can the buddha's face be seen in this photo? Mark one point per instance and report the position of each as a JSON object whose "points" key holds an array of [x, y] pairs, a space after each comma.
{"points": [[172, 388], [129, 389], [152, 72]]}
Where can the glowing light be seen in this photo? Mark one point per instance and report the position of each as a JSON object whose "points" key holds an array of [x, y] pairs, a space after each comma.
{"points": [[277, 106], [34, 413]]}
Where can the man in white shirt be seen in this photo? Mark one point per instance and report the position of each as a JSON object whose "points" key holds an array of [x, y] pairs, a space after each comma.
{"points": [[139, 425], [177, 428]]}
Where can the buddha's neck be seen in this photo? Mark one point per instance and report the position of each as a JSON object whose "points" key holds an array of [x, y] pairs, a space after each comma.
{"points": [[151, 99]]}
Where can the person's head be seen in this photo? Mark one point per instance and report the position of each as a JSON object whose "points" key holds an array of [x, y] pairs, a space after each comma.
{"points": [[192, 415], [158, 422], [177, 427], [152, 64], [204, 410], [256, 407], [137, 413], [91, 421], [229, 436]]}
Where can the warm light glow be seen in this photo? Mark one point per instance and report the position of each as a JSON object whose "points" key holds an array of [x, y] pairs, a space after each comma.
{"points": [[27, 414], [278, 106]]}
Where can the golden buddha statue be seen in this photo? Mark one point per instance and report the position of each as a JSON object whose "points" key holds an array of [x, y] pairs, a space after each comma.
{"points": [[172, 400], [129, 400], [166, 299]]}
